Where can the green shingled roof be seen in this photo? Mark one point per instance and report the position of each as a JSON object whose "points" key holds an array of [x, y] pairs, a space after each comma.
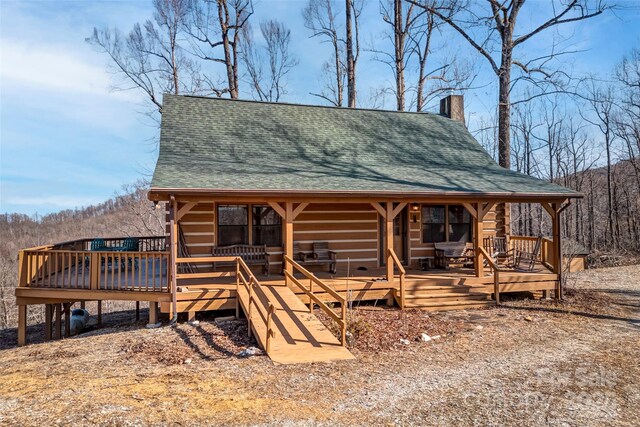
{"points": [[219, 144]]}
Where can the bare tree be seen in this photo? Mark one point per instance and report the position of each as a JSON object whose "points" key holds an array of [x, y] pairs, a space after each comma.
{"points": [[602, 106], [499, 19], [320, 16], [353, 10], [269, 85], [412, 38], [150, 58], [216, 27]]}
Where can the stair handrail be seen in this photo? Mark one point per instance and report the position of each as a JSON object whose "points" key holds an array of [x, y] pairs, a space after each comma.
{"points": [[402, 271], [496, 273], [313, 298], [250, 285]]}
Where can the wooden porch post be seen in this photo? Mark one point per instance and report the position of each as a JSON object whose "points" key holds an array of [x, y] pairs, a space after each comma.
{"points": [[22, 325], [389, 240], [288, 235], [477, 213], [557, 248], [173, 232]]}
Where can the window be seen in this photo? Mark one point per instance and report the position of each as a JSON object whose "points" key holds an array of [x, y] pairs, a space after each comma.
{"points": [[459, 224], [232, 225], [433, 224], [455, 226], [267, 226]]}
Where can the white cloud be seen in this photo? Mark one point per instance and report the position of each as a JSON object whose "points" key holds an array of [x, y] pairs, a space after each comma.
{"points": [[58, 201], [54, 68]]}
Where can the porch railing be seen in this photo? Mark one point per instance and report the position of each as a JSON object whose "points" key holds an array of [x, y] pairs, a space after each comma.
{"points": [[496, 273], [527, 244], [341, 319], [402, 272], [72, 265]]}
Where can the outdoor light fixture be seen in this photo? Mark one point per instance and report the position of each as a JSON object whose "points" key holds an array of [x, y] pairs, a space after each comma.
{"points": [[415, 212]]}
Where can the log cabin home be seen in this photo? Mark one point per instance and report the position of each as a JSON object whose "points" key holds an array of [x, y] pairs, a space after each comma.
{"points": [[273, 209]]}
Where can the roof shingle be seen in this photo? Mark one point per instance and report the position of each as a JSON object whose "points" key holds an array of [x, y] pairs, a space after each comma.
{"points": [[231, 145]]}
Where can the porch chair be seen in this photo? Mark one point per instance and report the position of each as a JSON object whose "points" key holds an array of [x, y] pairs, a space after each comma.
{"points": [[526, 261], [298, 255], [447, 253], [497, 247], [322, 254]]}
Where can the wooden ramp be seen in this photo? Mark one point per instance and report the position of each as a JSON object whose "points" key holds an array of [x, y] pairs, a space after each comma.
{"points": [[299, 336]]}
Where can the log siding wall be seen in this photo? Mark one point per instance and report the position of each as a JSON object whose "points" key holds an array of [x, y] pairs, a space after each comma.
{"points": [[352, 231]]}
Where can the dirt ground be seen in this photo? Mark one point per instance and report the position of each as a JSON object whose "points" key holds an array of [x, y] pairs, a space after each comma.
{"points": [[525, 363]]}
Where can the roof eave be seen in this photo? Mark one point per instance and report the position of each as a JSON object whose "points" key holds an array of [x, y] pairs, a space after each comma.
{"points": [[163, 194]]}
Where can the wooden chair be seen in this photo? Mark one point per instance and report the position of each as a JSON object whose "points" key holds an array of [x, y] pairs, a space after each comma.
{"points": [[498, 248], [298, 255], [323, 255], [447, 253], [526, 261]]}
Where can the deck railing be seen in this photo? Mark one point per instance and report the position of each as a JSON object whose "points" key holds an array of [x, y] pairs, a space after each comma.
{"points": [[496, 273], [72, 265], [341, 319]]}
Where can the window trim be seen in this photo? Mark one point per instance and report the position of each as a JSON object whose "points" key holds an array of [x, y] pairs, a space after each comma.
{"points": [[446, 221], [249, 223], [252, 225]]}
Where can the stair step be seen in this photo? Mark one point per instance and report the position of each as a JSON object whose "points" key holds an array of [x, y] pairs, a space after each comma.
{"points": [[444, 299], [450, 295], [441, 289], [452, 305]]}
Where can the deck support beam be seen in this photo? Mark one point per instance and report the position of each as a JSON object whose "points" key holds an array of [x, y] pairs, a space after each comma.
{"points": [[67, 319], [99, 314], [58, 327], [22, 325], [153, 313]]}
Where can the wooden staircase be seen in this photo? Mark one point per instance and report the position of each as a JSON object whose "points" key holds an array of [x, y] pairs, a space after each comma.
{"points": [[441, 297]]}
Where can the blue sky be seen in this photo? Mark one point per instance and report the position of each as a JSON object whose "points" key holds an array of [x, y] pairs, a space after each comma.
{"points": [[68, 140]]}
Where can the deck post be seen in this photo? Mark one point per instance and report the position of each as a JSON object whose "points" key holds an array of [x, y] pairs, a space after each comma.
{"points": [[22, 325], [389, 241], [99, 313], [48, 317], [58, 327], [153, 312], [137, 310], [67, 319]]}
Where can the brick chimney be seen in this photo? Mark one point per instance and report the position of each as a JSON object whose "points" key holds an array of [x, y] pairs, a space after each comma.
{"points": [[452, 106]]}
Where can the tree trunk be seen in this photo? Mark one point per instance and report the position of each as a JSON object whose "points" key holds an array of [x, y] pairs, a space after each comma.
{"points": [[399, 53], [351, 72]]}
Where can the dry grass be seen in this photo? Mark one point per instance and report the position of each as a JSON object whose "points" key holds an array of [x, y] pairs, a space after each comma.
{"points": [[525, 363]]}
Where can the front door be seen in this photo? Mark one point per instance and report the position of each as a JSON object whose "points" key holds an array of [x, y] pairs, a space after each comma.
{"points": [[400, 235], [399, 238]]}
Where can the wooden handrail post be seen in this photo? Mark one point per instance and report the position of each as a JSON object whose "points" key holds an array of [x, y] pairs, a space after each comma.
{"points": [[496, 285], [250, 303], [401, 291], [310, 299], [344, 325], [237, 289]]}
